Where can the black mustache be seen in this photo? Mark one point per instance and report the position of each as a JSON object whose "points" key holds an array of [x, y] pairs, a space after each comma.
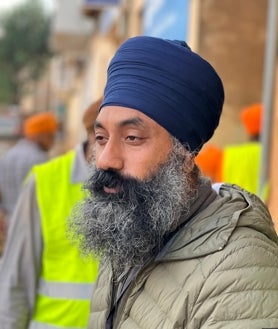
{"points": [[107, 178], [130, 188]]}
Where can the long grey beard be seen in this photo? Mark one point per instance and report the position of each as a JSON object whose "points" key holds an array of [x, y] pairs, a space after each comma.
{"points": [[129, 227]]}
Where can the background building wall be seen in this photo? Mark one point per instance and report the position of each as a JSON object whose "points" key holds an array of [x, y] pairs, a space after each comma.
{"points": [[102, 50], [232, 37]]}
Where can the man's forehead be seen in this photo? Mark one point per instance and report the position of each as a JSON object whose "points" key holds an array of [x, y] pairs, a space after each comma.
{"points": [[123, 116]]}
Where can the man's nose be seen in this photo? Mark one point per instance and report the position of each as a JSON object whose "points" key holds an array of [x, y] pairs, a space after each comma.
{"points": [[109, 156]]}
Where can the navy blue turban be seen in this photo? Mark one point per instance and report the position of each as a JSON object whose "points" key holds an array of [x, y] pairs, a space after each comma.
{"points": [[169, 83]]}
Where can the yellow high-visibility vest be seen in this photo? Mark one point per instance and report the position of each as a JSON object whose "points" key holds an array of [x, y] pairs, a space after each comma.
{"points": [[241, 166], [66, 281]]}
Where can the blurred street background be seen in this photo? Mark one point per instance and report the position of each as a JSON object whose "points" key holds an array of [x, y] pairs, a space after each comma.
{"points": [[54, 55]]}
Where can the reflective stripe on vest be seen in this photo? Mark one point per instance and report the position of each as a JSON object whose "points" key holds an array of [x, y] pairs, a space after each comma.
{"points": [[37, 325], [65, 290], [67, 279]]}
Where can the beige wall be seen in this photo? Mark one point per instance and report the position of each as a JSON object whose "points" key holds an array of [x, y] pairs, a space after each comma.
{"points": [[232, 38], [103, 47], [102, 50]]}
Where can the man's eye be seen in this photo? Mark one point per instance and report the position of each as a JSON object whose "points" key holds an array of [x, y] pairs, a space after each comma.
{"points": [[132, 138], [100, 139]]}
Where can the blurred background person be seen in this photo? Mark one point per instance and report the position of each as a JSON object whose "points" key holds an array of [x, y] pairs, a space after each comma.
{"points": [[241, 161], [238, 163], [43, 279], [39, 132], [209, 160]]}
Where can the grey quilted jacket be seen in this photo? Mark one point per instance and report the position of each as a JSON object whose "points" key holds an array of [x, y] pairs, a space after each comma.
{"points": [[219, 271]]}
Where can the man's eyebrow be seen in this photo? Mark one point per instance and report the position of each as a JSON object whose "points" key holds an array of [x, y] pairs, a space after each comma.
{"points": [[97, 124], [135, 121]]}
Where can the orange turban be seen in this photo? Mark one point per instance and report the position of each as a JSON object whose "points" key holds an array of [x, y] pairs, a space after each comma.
{"points": [[251, 117], [209, 161], [44, 122]]}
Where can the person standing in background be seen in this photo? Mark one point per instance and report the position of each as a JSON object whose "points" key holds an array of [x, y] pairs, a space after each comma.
{"points": [[39, 136], [44, 282], [209, 160], [241, 162], [237, 163]]}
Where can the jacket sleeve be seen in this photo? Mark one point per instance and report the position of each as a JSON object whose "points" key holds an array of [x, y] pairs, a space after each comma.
{"points": [[241, 292], [21, 261]]}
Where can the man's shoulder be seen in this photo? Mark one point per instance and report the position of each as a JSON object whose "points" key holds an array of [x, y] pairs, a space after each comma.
{"points": [[252, 212], [211, 229]]}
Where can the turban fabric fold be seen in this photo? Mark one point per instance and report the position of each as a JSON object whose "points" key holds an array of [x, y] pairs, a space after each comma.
{"points": [[44, 122], [168, 82]]}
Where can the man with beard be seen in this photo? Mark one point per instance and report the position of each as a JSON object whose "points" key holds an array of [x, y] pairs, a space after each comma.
{"points": [[176, 253]]}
